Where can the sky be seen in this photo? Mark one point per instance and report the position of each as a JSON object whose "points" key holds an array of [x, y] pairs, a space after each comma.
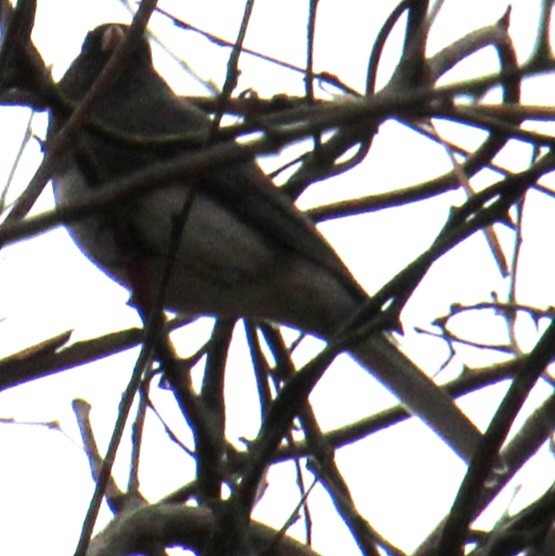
{"points": [[49, 287]]}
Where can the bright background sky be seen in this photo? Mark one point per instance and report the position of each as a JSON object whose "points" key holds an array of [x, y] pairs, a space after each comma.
{"points": [[49, 287]]}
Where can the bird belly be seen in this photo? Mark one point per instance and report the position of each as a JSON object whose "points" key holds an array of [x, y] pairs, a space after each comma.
{"points": [[221, 265]]}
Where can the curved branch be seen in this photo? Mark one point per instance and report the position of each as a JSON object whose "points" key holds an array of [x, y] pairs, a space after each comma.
{"points": [[185, 526]]}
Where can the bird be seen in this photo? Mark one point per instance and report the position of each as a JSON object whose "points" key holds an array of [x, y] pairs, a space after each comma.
{"points": [[245, 250]]}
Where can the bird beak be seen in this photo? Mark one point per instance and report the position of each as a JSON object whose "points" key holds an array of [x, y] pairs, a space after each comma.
{"points": [[112, 37]]}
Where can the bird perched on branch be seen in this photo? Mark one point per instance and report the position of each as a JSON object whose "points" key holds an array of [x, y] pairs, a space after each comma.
{"points": [[244, 250]]}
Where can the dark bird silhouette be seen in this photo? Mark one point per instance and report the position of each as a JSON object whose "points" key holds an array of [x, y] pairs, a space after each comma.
{"points": [[245, 249]]}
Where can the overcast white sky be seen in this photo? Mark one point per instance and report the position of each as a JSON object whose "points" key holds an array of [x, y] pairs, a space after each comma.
{"points": [[49, 287]]}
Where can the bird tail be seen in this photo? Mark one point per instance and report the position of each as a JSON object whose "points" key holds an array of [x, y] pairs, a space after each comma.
{"points": [[416, 390]]}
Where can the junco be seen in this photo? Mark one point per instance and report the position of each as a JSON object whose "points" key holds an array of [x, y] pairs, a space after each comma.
{"points": [[245, 250]]}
